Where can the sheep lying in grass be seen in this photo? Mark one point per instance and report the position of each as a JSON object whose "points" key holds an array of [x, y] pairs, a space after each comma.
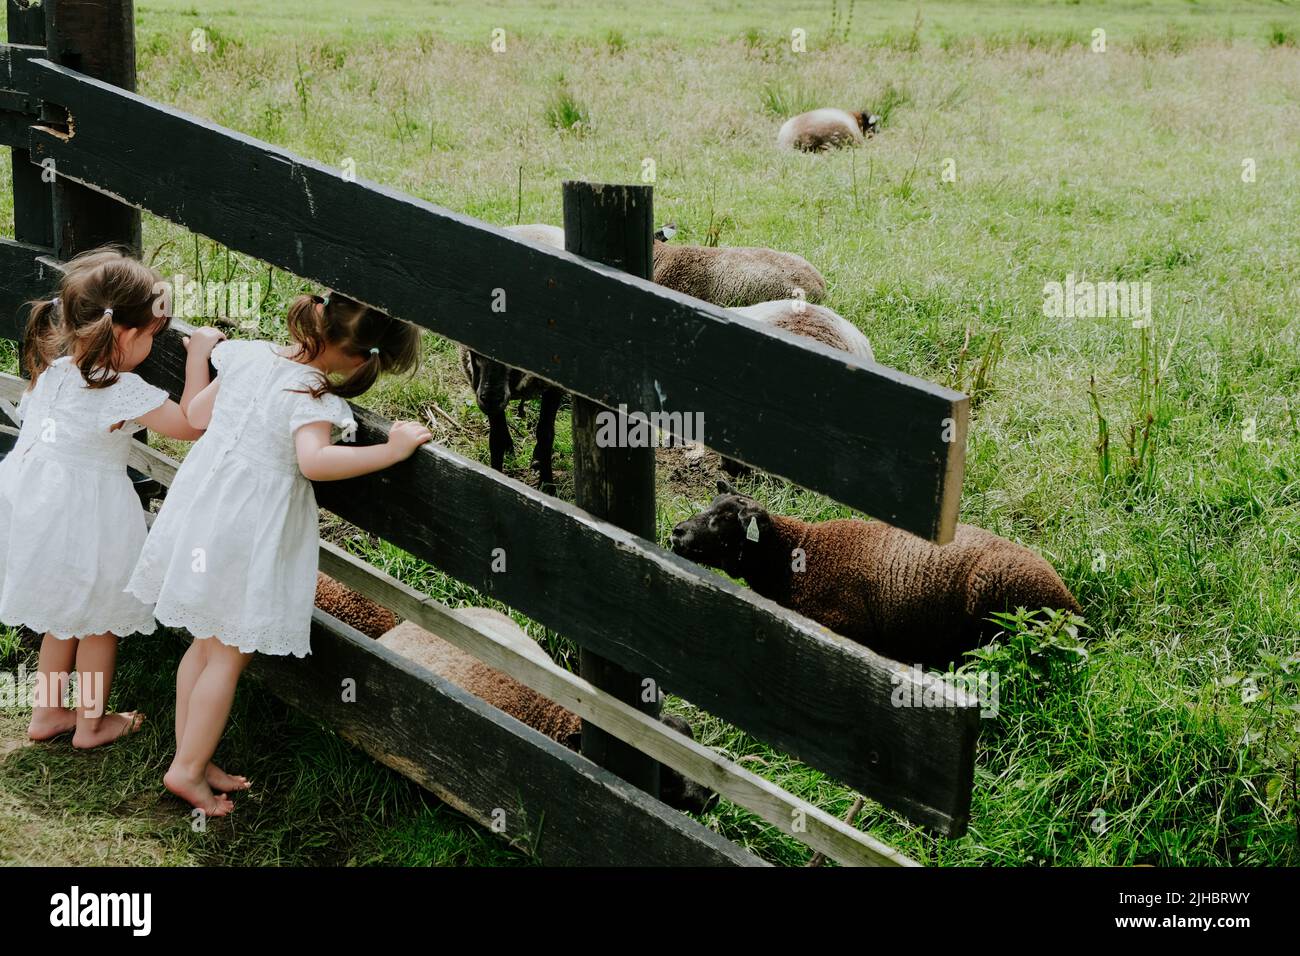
{"points": [[500, 690], [496, 385], [732, 276], [900, 595], [825, 129], [520, 701], [812, 321], [353, 609]]}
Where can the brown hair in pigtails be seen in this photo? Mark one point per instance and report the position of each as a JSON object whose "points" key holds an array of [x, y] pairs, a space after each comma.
{"points": [[386, 344], [101, 290], [42, 338]]}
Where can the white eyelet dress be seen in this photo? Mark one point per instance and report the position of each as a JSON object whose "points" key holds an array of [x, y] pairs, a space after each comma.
{"points": [[71, 525], [233, 551]]}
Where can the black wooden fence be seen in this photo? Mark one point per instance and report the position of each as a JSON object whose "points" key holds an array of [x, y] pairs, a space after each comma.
{"points": [[870, 437]]}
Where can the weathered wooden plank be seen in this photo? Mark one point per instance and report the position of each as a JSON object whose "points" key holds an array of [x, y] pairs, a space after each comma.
{"points": [[553, 803], [868, 436]]}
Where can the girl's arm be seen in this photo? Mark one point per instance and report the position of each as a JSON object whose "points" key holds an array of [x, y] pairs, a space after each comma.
{"points": [[320, 461], [178, 421], [200, 413], [198, 348], [168, 419]]}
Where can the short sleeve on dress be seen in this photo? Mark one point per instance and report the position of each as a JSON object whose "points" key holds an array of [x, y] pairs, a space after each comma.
{"points": [[327, 408], [128, 398], [228, 352]]}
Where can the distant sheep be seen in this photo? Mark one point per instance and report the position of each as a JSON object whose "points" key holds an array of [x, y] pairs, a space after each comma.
{"points": [[825, 129], [496, 385], [732, 276], [902, 596], [815, 322], [520, 701]]}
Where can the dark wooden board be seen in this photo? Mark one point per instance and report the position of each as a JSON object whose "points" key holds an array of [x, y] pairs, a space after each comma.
{"points": [[868, 436], [557, 804]]}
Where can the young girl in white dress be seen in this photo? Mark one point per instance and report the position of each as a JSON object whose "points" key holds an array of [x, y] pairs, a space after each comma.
{"points": [[232, 554], [71, 525]]}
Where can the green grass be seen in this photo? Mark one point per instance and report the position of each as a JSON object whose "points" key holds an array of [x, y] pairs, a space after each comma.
{"points": [[1174, 741]]}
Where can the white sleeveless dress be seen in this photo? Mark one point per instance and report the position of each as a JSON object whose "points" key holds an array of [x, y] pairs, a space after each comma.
{"points": [[232, 553], [71, 524]]}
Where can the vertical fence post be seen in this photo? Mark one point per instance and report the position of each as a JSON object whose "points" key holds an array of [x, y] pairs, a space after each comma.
{"points": [[614, 225], [33, 199], [97, 38]]}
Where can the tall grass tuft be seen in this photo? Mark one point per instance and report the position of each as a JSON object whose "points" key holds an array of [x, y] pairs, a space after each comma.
{"points": [[564, 112]]}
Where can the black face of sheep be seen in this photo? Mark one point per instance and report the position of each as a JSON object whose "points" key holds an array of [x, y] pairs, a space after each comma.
{"points": [[869, 122], [718, 535]]}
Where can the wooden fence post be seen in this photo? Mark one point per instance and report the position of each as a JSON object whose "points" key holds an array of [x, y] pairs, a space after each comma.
{"points": [[614, 225], [33, 197], [97, 38]]}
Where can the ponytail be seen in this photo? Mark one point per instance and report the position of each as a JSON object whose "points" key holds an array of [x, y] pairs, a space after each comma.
{"points": [[41, 344], [387, 344], [97, 351]]}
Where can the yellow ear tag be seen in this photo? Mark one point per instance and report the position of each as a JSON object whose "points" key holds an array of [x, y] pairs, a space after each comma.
{"points": [[751, 532]]}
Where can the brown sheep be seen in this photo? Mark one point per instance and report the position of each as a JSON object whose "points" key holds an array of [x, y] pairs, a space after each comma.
{"points": [[732, 276], [824, 129], [902, 596], [488, 684], [520, 701], [351, 608]]}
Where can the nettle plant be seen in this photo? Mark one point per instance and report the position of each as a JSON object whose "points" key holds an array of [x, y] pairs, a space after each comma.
{"points": [[1036, 650], [1270, 741]]}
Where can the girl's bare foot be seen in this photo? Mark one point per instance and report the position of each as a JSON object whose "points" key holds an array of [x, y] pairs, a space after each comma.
{"points": [[109, 729], [197, 793], [50, 722], [222, 782]]}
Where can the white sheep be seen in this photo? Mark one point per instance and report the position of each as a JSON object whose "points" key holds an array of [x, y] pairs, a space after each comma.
{"points": [[811, 321], [824, 129]]}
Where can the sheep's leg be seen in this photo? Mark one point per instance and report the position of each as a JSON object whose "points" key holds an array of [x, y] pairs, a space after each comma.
{"points": [[544, 450], [499, 442]]}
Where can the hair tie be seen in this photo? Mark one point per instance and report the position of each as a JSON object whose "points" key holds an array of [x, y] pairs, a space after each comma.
{"points": [[55, 302], [374, 351], [109, 312]]}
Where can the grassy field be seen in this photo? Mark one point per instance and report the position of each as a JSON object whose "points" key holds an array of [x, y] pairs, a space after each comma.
{"points": [[1175, 741]]}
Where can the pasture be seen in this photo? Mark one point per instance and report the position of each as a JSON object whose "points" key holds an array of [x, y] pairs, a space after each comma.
{"points": [[1155, 467]]}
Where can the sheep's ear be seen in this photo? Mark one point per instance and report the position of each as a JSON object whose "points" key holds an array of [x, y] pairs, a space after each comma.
{"points": [[724, 487]]}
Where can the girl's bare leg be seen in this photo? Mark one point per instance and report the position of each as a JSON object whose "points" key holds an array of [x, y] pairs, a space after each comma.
{"points": [[96, 662], [192, 664], [209, 708], [49, 717]]}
